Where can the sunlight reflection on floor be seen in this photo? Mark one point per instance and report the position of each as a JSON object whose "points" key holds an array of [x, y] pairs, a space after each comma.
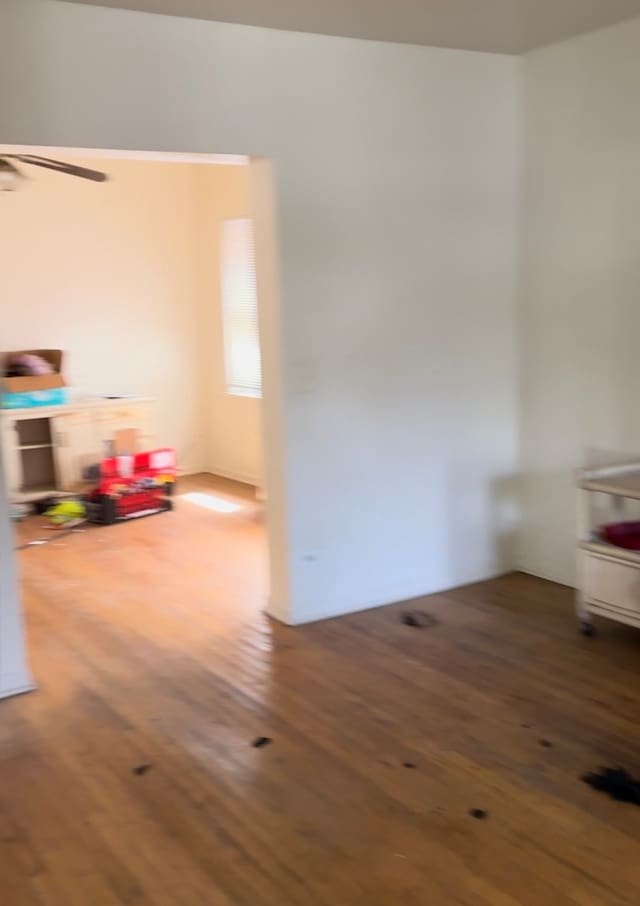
{"points": [[211, 502]]}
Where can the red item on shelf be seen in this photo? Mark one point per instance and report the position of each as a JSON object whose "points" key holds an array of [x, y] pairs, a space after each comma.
{"points": [[622, 534]]}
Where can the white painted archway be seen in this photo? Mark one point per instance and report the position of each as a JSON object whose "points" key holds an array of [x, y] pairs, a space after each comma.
{"points": [[15, 676]]}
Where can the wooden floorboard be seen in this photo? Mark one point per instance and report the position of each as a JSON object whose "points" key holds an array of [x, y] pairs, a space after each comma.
{"points": [[150, 646]]}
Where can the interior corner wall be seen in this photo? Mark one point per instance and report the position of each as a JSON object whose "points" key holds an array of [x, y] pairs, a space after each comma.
{"points": [[108, 273], [231, 424], [397, 192], [580, 315]]}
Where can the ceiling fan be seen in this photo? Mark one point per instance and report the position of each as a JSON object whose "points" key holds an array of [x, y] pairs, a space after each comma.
{"points": [[11, 176]]}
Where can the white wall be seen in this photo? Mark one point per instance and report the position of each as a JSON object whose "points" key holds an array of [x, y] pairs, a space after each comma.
{"points": [[231, 424], [581, 305], [15, 676], [397, 193]]}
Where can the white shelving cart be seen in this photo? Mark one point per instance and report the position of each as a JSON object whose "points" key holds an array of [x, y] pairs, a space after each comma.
{"points": [[608, 575]]}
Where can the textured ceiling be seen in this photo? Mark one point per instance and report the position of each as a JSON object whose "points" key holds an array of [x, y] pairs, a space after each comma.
{"points": [[503, 26]]}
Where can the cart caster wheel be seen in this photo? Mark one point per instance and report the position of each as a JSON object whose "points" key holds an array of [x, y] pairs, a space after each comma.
{"points": [[587, 629]]}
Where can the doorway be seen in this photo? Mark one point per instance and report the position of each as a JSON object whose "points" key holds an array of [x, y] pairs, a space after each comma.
{"points": [[137, 283]]}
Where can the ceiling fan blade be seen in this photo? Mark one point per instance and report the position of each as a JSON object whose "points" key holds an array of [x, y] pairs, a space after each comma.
{"points": [[10, 176], [60, 166]]}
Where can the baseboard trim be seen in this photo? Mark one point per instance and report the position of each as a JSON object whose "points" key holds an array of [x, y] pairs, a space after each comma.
{"points": [[15, 684], [273, 612], [545, 576], [251, 480], [407, 595]]}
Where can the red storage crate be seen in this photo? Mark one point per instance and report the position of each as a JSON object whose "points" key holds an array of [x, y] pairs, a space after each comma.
{"points": [[133, 486]]}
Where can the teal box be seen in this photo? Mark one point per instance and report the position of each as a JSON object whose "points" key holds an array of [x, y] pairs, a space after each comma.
{"points": [[57, 396]]}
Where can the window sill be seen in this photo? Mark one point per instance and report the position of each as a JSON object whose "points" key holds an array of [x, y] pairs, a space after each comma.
{"points": [[243, 391]]}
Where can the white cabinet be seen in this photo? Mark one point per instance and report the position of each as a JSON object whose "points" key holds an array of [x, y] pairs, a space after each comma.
{"points": [[109, 419], [75, 445], [11, 456], [608, 575], [46, 448]]}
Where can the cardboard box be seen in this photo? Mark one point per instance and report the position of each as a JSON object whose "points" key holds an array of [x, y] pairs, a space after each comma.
{"points": [[36, 381], [34, 390], [125, 442]]}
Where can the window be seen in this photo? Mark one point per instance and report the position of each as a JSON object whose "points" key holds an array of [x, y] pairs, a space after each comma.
{"points": [[240, 310]]}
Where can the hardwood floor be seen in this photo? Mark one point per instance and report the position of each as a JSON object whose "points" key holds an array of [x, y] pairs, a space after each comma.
{"points": [[150, 647]]}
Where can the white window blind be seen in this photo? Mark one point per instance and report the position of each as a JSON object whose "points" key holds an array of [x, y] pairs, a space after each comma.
{"points": [[240, 310]]}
